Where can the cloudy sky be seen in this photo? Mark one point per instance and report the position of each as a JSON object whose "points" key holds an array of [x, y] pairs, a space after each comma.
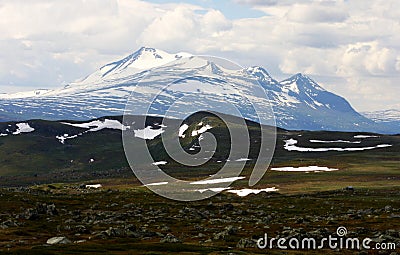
{"points": [[350, 47]]}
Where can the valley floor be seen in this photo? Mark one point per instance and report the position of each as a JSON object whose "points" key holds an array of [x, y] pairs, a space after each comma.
{"points": [[132, 220]]}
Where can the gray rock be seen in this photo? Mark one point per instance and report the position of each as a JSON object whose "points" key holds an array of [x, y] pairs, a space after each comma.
{"points": [[31, 214], [388, 208], [223, 235], [165, 228], [170, 238], [8, 224], [41, 209], [115, 232], [58, 240], [246, 243]]}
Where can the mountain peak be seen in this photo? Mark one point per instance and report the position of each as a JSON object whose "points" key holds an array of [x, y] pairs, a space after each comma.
{"points": [[145, 48], [299, 76], [258, 70], [144, 58], [301, 81], [262, 74]]}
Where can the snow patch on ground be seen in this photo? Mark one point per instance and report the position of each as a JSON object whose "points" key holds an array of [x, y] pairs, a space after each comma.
{"points": [[156, 184], [337, 141], [290, 145], [365, 136], [245, 192], [304, 169], [221, 180], [160, 163], [212, 189], [93, 186], [242, 159]]}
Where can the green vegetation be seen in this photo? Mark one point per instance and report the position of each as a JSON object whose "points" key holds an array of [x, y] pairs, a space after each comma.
{"points": [[43, 194]]}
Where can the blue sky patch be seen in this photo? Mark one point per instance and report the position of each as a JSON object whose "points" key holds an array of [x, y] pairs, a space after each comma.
{"points": [[229, 8]]}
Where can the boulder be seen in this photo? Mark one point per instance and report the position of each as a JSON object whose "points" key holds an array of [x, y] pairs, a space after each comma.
{"points": [[246, 243], [58, 240], [169, 238]]}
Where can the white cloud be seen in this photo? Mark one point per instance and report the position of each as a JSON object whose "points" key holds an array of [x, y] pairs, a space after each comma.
{"points": [[317, 12], [214, 22], [173, 27], [183, 28], [45, 42], [368, 58], [307, 60]]}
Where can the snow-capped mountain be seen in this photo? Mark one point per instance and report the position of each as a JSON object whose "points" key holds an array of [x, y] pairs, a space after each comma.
{"points": [[143, 59], [300, 103], [384, 115], [297, 102], [388, 117], [32, 93]]}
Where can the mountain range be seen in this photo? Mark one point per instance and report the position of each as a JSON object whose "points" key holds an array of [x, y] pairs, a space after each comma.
{"points": [[296, 103], [389, 117]]}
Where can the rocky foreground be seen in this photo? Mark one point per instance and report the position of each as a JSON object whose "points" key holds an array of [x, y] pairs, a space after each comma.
{"points": [[60, 219]]}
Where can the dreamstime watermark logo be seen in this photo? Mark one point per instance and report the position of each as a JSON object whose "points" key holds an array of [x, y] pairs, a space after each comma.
{"points": [[179, 90], [331, 242], [341, 231]]}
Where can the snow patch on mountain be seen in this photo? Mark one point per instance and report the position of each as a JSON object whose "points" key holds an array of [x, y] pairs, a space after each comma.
{"points": [[92, 126], [201, 130], [98, 125], [62, 138], [182, 130], [33, 93], [148, 133], [23, 128]]}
